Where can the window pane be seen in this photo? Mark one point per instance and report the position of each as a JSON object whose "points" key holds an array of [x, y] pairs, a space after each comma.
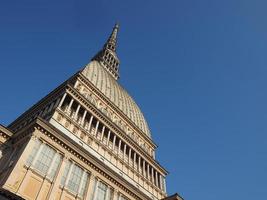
{"points": [[75, 178], [36, 146], [83, 185], [101, 191], [44, 159], [55, 166]]}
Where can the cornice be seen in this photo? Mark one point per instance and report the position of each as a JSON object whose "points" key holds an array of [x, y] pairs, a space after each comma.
{"points": [[6, 133]]}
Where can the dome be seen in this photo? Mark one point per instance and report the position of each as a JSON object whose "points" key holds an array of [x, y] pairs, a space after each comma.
{"points": [[105, 82]]}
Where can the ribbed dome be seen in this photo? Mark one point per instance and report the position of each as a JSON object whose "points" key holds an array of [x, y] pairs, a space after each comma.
{"points": [[104, 81]]}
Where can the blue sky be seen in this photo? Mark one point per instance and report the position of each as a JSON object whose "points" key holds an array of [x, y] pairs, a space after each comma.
{"points": [[196, 68]]}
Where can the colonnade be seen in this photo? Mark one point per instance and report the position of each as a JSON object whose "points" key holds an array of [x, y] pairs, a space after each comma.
{"points": [[93, 126]]}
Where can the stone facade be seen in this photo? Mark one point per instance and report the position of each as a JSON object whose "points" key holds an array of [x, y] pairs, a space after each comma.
{"points": [[87, 139]]}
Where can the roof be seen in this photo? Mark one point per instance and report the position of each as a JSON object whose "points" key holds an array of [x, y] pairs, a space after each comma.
{"points": [[104, 81]]}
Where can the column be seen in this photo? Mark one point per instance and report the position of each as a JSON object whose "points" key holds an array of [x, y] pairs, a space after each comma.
{"points": [[69, 107], [96, 128], [124, 151], [134, 159], [164, 184], [144, 168], [148, 174], [84, 115], [77, 111], [62, 100], [119, 148], [102, 133], [139, 164], [160, 181], [114, 142], [157, 181], [108, 138], [90, 122], [130, 154]]}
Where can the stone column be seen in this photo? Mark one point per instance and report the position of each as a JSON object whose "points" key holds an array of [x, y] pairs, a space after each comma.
{"points": [[148, 174], [114, 142], [108, 138], [90, 122], [156, 175], [164, 185], [144, 168], [160, 181], [96, 128], [130, 154], [119, 148], [124, 151], [102, 133], [69, 107], [84, 115], [62, 100], [77, 111], [134, 159], [139, 164]]}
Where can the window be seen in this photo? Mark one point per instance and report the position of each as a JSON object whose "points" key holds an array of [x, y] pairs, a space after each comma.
{"points": [[101, 191], [74, 179], [44, 159]]}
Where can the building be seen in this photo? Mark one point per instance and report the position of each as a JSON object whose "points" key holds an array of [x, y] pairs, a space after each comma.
{"points": [[87, 139]]}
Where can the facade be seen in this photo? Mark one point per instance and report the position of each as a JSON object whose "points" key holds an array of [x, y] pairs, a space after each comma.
{"points": [[87, 139]]}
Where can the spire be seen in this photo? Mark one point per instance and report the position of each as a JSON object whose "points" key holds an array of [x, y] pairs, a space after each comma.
{"points": [[112, 40], [107, 56]]}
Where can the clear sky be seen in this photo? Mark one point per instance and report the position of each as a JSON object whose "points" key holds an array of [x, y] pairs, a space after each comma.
{"points": [[197, 69]]}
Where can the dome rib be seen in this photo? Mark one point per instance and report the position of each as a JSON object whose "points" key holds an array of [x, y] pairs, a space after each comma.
{"points": [[103, 80]]}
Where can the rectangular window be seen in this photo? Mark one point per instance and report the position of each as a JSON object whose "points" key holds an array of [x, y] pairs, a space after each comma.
{"points": [[75, 179], [101, 191], [44, 159]]}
